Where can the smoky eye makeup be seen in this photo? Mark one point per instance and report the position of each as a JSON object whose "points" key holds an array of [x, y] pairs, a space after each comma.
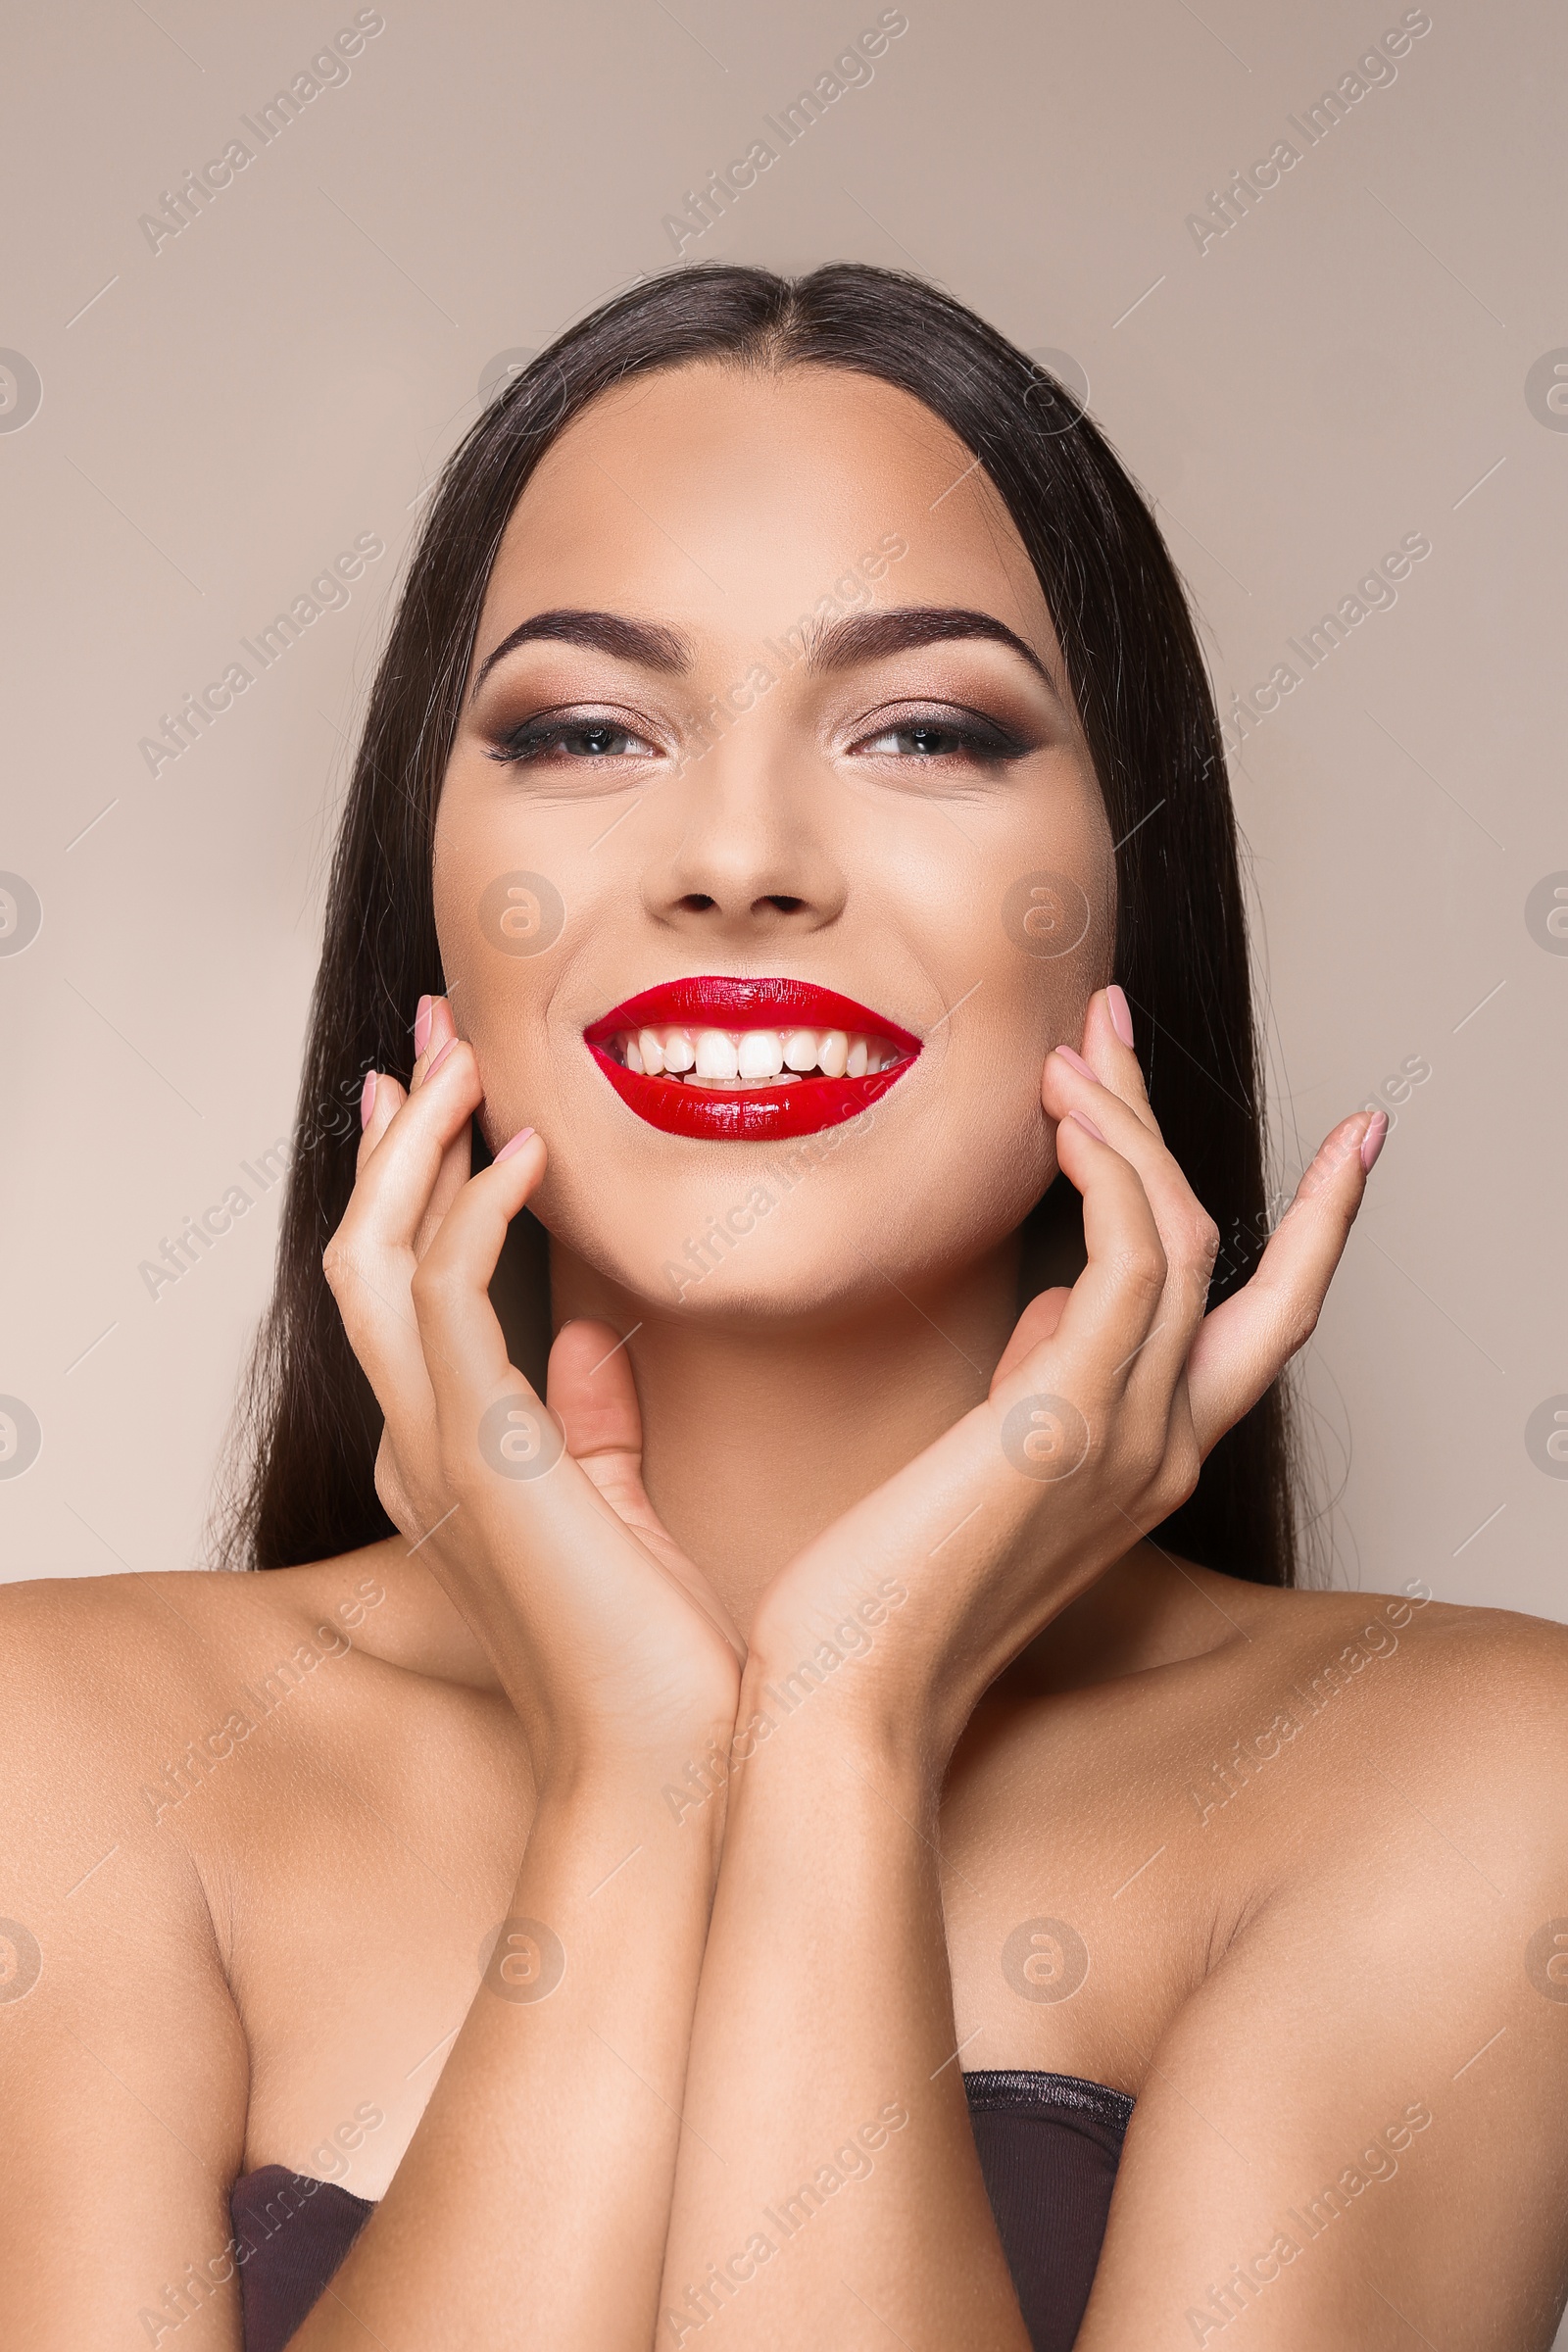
{"points": [[563, 735], [930, 731]]}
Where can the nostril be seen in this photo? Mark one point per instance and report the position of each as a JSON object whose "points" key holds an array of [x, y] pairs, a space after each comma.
{"points": [[696, 902], [785, 906]]}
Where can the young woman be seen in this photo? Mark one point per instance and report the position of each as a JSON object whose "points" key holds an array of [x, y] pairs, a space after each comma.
{"points": [[709, 1844]]}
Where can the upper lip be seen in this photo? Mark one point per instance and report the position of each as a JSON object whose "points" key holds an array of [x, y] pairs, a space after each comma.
{"points": [[717, 1001]]}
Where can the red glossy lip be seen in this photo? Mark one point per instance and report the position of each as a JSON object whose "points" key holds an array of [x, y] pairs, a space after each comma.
{"points": [[747, 1114]]}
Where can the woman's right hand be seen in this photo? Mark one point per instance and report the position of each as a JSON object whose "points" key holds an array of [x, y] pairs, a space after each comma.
{"points": [[604, 1635]]}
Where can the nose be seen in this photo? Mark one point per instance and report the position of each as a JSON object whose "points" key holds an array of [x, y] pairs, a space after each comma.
{"points": [[748, 853]]}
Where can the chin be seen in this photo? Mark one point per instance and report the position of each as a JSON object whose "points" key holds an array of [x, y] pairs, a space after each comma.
{"points": [[824, 1227]]}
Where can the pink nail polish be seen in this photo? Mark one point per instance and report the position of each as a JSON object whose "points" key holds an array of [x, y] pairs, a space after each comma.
{"points": [[366, 1099], [422, 1026], [1088, 1124], [518, 1140], [1077, 1062], [1121, 1019], [1373, 1141], [440, 1058]]}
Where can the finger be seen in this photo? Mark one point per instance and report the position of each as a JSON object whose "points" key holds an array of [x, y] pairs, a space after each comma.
{"points": [[1111, 1306], [438, 1030], [1034, 1326], [370, 1258], [1244, 1344], [379, 1104], [408, 1138], [1107, 1049], [457, 1166], [464, 1347], [1188, 1234], [434, 1027], [591, 1386]]}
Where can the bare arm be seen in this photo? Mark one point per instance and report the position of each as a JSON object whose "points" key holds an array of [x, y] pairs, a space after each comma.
{"points": [[1355, 2131], [532, 2202], [825, 2006], [123, 2071]]}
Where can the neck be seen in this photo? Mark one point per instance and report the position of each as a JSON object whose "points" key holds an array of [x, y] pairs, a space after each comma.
{"points": [[759, 1434]]}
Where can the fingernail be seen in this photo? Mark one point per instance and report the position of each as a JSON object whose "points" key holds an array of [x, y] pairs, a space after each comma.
{"points": [[1373, 1141], [422, 1026], [366, 1099], [1087, 1124], [440, 1058], [518, 1140], [1121, 1019], [1077, 1062]]}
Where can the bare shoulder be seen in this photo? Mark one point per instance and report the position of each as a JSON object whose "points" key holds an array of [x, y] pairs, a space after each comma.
{"points": [[125, 1669], [1469, 1705], [123, 2057], [1369, 2068]]}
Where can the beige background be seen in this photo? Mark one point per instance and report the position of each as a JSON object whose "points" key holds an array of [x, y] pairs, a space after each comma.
{"points": [[222, 418]]}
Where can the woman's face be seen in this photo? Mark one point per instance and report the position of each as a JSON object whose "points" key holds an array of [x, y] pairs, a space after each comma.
{"points": [[796, 717]]}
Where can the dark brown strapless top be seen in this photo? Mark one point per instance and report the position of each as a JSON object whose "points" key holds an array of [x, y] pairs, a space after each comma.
{"points": [[1049, 2147]]}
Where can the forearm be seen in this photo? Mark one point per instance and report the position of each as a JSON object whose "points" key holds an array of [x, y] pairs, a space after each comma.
{"points": [[533, 2201], [829, 2190]]}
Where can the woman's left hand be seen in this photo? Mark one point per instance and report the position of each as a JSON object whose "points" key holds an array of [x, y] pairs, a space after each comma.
{"points": [[1100, 1416]]}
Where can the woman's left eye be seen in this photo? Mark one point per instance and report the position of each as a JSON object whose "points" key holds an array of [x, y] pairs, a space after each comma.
{"points": [[944, 739]]}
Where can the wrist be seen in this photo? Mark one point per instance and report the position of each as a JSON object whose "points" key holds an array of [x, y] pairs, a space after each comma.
{"points": [[652, 1802], [799, 1704]]}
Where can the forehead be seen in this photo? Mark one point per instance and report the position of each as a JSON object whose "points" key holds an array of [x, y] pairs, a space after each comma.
{"points": [[733, 499]]}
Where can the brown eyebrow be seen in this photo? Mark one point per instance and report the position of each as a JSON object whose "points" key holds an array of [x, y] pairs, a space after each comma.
{"points": [[829, 646], [867, 636], [642, 641]]}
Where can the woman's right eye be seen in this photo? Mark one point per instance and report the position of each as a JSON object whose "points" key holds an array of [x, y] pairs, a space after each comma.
{"points": [[579, 741]]}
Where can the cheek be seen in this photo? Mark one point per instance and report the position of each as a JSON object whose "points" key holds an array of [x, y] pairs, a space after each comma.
{"points": [[504, 910]]}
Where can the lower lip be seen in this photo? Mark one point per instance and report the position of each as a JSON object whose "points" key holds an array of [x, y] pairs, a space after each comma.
{"points": [[745, 1114]]}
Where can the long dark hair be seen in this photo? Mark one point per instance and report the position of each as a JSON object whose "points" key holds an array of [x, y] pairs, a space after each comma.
{"points": [[309, 1421]]}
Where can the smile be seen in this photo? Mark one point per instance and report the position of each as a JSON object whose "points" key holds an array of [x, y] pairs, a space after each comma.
{"points": [[748, 1061]]}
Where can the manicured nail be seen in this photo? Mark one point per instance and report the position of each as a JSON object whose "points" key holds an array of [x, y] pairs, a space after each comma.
{"points": [[367, 1099], [1373, 1141], [1121, 1019], [518, 1140], [441, 1057], [1077, 1062], [1087, 1124], [422, 1026]]}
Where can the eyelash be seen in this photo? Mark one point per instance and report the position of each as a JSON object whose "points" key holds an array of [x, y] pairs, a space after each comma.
{"points": [[978, 738], [525, 745], [974, 738]]}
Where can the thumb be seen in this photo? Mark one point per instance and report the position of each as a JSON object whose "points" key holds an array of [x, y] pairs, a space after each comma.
{"points": [[590, 1385], [1031, 1331]]}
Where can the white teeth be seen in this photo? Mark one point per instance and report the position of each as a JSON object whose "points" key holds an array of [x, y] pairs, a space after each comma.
{"points": [[717, 1056], [720, 1057], [761, 1055]]}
